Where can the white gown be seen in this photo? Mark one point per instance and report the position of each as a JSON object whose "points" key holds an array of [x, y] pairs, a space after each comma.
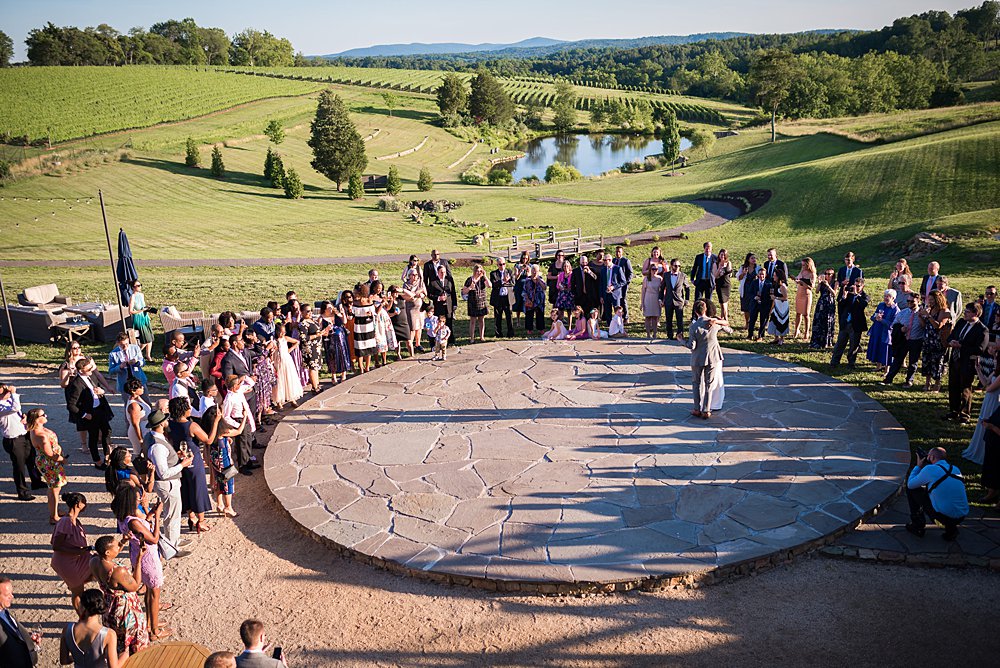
{"points": [[287, 387], [718, 390]]}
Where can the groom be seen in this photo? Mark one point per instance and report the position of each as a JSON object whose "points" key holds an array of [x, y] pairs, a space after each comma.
{"points": [[706, 355]]}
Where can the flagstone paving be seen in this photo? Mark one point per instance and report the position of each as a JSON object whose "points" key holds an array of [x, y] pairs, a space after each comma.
{"points": [[579, 462]]}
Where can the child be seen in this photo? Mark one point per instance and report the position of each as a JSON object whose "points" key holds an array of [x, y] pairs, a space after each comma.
{"points": [[594, 330], [441, 334], [579, 331], [616, 330], [430, 324], [385, 335], [558, 330]]}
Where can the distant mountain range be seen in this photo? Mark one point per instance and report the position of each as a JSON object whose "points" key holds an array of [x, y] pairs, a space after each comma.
{"points": [[536, 46]]}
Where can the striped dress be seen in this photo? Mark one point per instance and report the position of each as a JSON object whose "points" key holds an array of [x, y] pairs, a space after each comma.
{"points": [[364, 330]]}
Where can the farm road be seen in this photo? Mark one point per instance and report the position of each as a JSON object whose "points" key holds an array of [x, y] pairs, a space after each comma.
{"points": [[716, 213]]}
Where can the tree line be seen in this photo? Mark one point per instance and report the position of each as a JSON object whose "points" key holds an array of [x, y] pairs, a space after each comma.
{"points": [[166, 43]]}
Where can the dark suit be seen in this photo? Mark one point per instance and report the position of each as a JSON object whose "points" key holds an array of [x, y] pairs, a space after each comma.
{"points": [[701, 275], [852, 320], [585, 292], [626, 267], [973, 337], [257, 660], [240, 363], [674, 293], [759, 295], [16, 648], [611, 277], [847, 276], [501, 302], [444, 308], [80, 402], [777, 264], [430, 272], [991, 318], [928, 279]]}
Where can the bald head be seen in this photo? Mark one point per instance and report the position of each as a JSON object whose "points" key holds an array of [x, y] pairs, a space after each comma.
{"points": [[937, 455]]}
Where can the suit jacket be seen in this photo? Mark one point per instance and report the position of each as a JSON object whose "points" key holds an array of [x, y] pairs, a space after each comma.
{"points": [[696, 267], [16, 648], [236, 363], [257, 660], [80, 401], [846, 278], [778, 264], [973, 337], [855, 308], [752, 288], [437, 288], [626, 267], [497, 279], [953, 298], [585, 299], [617, 278], [704, 343], [674, 292], [991, 318], [923, 285], [430, 273]]}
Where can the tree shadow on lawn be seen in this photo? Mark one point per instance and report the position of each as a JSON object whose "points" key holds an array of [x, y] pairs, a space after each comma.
{"points": [[410, 114], [242, 178]]}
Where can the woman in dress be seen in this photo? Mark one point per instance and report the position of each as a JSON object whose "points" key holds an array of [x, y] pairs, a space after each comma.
{"points": [[364, 329], [220, 454], [217, 357], [900, 274], [87, 643], [70, 548], [311, 338], [140, 319], [777, 324], [937, 328], [48, 457], [990, 381], [413, 293], [723, 272], [879, 350], [579, 330], [652, 307], [136, 412], [125, 361], [67, 371], [749, 268], [292, 321], [805, 283], [991, 458], [476, 290], [143, 529], [287, 386], [338, 352], [397, 316], [187, 435], [558, 330], [825, 317], [124, 611], [522, 274], [552, 277], [564, 291], [265, 378], [533, 301]]}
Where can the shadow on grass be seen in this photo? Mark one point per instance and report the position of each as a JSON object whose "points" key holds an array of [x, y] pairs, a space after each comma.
{"points": [[241, 178]]}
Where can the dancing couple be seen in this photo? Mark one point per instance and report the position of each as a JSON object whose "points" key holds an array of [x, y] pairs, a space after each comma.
{"points": [[706, 360]]}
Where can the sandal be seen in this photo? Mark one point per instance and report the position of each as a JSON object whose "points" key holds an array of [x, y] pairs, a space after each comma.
{"points": [[162, 633], [202, 528], [230, 514]]}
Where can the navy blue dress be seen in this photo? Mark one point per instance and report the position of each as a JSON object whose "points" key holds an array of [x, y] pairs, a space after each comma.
{"points": [[194, 488]]}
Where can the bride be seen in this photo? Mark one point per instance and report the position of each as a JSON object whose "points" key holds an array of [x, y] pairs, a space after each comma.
{"points": [[288, 388]]}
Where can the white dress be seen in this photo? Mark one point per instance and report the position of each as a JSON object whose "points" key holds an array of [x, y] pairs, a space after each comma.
{"points": [[136, 439], [977, 446], [718, 390], [287, 387]]}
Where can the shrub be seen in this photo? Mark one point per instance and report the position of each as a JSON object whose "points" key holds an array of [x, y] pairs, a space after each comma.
{"points": [[277, 172], [268, 163], [389, 203], [192, 157], [631, 167], [656, 237], [393, 184], [218, 167], [499, 176], [293, 185], [947, 95], [425, 182], [275, 132], [560, 173], [355, 188], [627, 241], [4, 170], [651, 164]]}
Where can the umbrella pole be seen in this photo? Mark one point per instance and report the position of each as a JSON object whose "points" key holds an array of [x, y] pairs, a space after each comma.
{"points": [[111, 258]]}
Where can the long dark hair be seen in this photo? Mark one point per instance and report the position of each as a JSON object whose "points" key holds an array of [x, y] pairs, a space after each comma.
{"points": [[746, 260], [117, 464]]}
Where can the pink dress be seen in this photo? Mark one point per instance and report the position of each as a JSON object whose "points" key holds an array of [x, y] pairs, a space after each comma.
{"points": [[74, 569], [152, 569]]}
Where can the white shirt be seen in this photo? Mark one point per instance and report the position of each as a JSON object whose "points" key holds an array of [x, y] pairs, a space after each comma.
{"points": [[86, 381], [617, 326], [159, 454], [234, 407], [10, 417]]}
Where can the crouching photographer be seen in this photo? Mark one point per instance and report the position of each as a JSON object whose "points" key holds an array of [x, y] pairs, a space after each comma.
{"points": [[935, 489]]}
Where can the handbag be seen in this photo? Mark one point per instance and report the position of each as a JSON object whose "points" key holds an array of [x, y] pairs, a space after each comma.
{"points": [[229, 472], [167, 549]]}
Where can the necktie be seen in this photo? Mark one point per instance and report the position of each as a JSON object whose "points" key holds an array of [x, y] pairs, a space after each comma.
{"points": [[770, 269], [12, 623], [850, 303], [909, 327], [704, 265]]}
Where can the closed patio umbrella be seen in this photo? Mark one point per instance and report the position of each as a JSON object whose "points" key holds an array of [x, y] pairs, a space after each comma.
{"points": [[125, 271]]}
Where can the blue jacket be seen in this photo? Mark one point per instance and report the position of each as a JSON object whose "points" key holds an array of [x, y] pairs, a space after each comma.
{"points": [[616, 281]]}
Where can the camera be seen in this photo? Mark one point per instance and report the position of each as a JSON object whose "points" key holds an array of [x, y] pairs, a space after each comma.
{"points": [[920, 453]]}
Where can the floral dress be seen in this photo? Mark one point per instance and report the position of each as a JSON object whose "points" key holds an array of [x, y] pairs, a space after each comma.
{"points": [[824, 318], [127, 616], [222, 458], [932, 355], [265, 379], [385, 335], [338, 356], [52, 470], [564, 292]]}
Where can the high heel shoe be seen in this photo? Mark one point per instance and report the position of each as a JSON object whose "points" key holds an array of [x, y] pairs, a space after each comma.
{"points": [[191, 525], [202, 529]]}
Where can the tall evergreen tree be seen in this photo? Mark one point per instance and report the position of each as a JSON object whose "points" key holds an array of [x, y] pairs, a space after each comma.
{"points": [[355, 187], [564, 106], [670, 135], [218, 167], [393, 184], [452, 96], [338, 150], [425, 181], [489, 102], [293, 185], [192, 157]]}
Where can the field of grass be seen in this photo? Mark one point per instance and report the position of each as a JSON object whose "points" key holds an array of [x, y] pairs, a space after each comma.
{"points": [[877, 128]]}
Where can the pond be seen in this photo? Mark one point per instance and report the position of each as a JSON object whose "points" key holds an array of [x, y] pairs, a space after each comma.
{"points": [[591, 154]]}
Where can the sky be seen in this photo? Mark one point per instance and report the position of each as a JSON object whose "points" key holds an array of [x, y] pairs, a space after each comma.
{"points": [[330, 26]]}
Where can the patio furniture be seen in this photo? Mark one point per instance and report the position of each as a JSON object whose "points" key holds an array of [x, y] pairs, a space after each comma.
{"points": [[32, 324], [44, 296], [170, 654], [70, 330], [187, 322], [105, 319]]}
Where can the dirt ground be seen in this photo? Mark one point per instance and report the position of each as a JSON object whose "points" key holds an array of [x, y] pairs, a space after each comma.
{"points": [[326, 610]]}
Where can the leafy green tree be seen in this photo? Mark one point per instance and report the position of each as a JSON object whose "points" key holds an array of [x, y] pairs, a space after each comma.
{"points": [[564, 107], [670, 135], [6, 49], [947, 94], [557, 172], [425, 181], [393, 184], [876, 90], [390, 100], [293, 185], [499, 176], [355, 187], [452, 96], [275, 132], [915, 77], [771, 76], [260, 49], [338, 150], [277, 172], [489, 102], [192, 156], [215, 44], [218, 167], [269, 164], [702, 139]]}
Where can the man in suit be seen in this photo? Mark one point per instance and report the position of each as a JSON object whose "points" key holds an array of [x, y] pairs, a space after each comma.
{"points": [[758, 289], [256, 652], [952, 297], [991, 311], [774, 263], [89, 408], [929, 281], [705, 356], [239, 362], [701, 273], [441, 291], [674, 294], [611, 282], [502, 289], [432, 265], [625, 265], [18, 646], [850, 272], [852, 300], [968, 341], [585, 292]]}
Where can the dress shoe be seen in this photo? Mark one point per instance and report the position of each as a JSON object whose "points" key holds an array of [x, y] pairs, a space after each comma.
{"points": [[253, 465], [24, 496], [246, 470], [916, 529], [908, 383]]}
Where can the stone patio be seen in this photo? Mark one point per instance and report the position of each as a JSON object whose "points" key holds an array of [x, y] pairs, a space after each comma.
{"points": [[523, 465]]}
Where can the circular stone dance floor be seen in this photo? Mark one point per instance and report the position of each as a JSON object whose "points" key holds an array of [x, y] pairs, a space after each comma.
{"points": [[521, 465]]}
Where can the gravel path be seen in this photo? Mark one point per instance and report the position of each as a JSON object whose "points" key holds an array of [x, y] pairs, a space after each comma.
{"points": [[326, 610]]}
